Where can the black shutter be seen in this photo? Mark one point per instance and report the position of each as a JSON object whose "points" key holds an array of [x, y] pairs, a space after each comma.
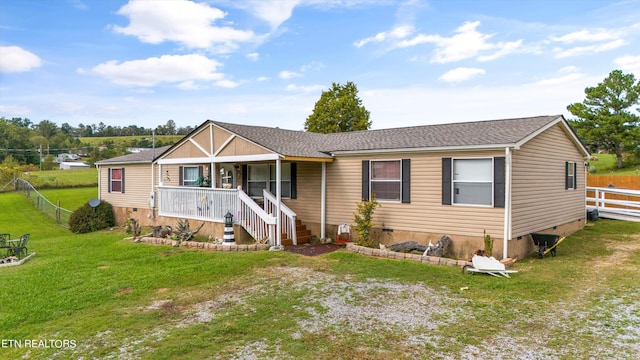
{"points": [[180, 176], [200, 171], [406, 181], [109, 178], [446, 181], [122, 182], [294, 182], [498, 182], [365, 180], [566, 175], [245, 178], [575, 175]]}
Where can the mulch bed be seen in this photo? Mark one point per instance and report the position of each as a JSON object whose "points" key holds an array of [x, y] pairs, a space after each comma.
{"points": [[313, 249]]}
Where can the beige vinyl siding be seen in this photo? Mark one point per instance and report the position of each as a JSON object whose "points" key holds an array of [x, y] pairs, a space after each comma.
{"points": [[309, 181], [203, 138], [172, 171], [219, 137], [425, 213], [238, 146], [186, 150], [137, 186], [539, 198]]}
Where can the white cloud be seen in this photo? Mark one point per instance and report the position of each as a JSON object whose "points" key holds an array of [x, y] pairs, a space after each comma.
{"points": [[591, 49], [288, 75], [262, 78], [314, 65], [587, 35], [304, 88], [461, 74], [254, 56], [165, 69], [274, 12], [399, 32], [560, 80], [16, 59], [466, 43], [629, 64], [182, 21], [17, 111], [226, 83], [569, 69]]}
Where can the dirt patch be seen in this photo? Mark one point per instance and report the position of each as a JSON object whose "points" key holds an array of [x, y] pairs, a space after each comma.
{"points": [[621, 251], [312, 249], [124, 290]]}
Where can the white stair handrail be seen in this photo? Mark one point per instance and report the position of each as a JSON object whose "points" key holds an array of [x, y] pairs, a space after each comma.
{"points": [[258, 223], [287, 216]]}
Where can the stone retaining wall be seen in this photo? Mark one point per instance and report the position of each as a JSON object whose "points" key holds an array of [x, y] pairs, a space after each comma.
{"points": [[202, 245], [434, 260]]}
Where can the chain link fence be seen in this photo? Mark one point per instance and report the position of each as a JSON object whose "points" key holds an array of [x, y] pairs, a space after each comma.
{"points": [[55, 212]]}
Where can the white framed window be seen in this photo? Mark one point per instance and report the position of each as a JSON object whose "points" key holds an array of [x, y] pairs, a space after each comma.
{"points": [[116, 180], [472, 181], [386, 180], [263, 176], [190, 175]]}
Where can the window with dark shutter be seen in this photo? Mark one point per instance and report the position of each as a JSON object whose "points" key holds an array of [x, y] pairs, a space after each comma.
{"points": [[498, 182], [365, 180], [570, 175], [446, 181]]}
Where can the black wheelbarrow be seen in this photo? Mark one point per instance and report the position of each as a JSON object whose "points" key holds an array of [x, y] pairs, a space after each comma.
{"points": [[546, 243]]}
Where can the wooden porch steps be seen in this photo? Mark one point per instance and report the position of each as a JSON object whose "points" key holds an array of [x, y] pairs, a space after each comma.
{"points": [[304, 235]]}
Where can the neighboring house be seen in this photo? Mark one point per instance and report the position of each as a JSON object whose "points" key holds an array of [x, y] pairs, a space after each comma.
{"points": [[506, 177], [67, 165]]}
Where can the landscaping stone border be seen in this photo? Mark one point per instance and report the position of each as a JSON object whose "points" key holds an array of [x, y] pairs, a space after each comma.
{"points": [[22, 261], [202, 245], [434, 260]]}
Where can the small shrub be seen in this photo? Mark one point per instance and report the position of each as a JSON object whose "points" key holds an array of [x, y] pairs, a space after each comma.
{"points": [[488, 244], [87, 219], [364, 222]]}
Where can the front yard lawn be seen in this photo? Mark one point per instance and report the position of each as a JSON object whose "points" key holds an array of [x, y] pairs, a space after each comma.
{"points": [[111, 298]]}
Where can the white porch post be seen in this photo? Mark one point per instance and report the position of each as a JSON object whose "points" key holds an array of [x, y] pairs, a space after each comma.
{"points": [[278, 202], [160, 178], [323, 201], [507, 202]]}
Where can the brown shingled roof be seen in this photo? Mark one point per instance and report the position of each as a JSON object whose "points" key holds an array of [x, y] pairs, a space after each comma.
{"points": [[469, 134], [146, 156]]}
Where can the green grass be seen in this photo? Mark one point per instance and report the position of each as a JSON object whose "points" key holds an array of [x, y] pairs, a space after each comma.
{"points": [[63, 178], [116, 298], [72, 198], [607, 164]]}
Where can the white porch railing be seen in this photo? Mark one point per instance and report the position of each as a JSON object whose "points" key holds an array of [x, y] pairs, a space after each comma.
{"points": [[197, 203], [287, 216], [614, 203], [208, 204]]}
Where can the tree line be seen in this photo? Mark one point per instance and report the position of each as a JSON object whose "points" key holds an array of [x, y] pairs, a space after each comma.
{"points": [[31, 143]]}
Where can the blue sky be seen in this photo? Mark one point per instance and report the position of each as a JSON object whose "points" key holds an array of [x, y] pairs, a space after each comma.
{"points": [[266, 62]]}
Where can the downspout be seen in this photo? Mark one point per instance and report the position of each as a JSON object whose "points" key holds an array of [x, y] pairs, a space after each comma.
{"points": [[278, 202], [323, 201], [507, 202]]}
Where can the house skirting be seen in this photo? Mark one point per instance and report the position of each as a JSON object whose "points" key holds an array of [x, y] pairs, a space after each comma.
{"points": [[462, 247]]}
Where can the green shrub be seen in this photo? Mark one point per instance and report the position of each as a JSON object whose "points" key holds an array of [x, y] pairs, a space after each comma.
{"points": [[87, 219], [364, 223]]}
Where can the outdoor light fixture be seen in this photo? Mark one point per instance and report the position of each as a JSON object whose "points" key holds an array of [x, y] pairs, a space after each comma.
{"points": [[167, 179]]}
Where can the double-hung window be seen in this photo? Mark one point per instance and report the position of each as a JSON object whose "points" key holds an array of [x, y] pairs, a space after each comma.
{"points": [[386, 180], [116, 180], [473, 181]]}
